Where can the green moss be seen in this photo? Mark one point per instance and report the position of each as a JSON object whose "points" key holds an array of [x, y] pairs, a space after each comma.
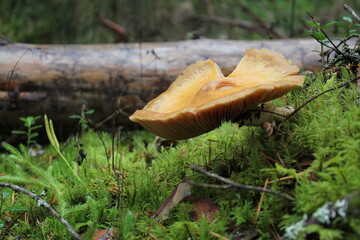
{"points": [[318, 148]]}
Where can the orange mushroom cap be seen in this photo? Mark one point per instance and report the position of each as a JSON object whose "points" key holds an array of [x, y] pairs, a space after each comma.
{"points": [[200, 99]]}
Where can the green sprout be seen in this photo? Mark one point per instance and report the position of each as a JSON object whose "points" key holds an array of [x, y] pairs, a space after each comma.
{"points": [[29, 123], [55, 143]]}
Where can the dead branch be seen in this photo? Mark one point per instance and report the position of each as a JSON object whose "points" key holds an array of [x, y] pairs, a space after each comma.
{"points": [[120, 30], [42, 202], [231, 184], [259, 206], [352, 12], [335, 48], [314, 97]]}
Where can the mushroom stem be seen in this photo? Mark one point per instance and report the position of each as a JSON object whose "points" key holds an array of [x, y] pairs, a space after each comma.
{"points": [[264, 113]]}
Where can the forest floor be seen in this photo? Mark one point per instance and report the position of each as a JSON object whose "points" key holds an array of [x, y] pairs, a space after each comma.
{"points": [[117, 182], [112, 184]]}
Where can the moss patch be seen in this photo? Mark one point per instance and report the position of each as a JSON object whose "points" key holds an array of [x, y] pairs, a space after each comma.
{"points": [[314, 158]]}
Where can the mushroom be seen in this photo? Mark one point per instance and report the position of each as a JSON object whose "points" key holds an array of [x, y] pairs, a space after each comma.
{"points": [[200, 99]]}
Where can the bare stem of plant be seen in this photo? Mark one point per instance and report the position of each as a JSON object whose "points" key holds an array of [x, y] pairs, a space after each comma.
{"points": [[231, 184], [41, 202], [105, 150], [11, 73], [328, 38], [117, 176], [352, 12], [316, 96]]}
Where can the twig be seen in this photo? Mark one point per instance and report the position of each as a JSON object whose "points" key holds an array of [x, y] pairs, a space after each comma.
{"points": [[41, 202], [328, 38], [105, 150], [352, 12], [347, 39], [258, 208], [290, 177], [316, 96], [232, 184], [188, 231], [152, 236], [4, 231], [11, 73], [206, 185], [120, 30], [322, 43], [343, 41], [117, 175], [108, 118], [218, 235]]}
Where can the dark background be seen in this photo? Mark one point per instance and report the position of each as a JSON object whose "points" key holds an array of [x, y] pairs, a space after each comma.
{"points": [[68, 21]]}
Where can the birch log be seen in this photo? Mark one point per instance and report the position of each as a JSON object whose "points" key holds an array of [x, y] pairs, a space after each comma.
{"points": [[59, 79]]}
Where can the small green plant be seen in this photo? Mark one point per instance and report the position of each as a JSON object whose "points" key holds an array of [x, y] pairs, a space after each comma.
{"points": [[84, 121], [29, 123], [55, 143], [5, 194], [347, 25], [344, 54]]}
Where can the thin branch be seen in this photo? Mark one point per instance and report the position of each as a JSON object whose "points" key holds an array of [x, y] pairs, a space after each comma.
{"points": [[206, 185], [316, 96], [258, 208], [322, 43], [218, 235], [352, 12], [41, 202], [11, 73], [120, 30], [325, 34], [5, 231], [117, 175], [347, 39], [231, 184], [107, 155], [343, 41]]}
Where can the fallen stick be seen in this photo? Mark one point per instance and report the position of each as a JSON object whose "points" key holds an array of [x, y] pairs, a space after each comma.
{"points": [[42, 202], [231, 184], [314, 97]]}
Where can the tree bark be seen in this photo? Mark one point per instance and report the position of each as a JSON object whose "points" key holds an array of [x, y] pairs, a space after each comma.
{"points": [[59, 79]]}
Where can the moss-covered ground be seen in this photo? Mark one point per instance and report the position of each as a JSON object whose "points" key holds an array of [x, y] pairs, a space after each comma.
{"points": [[315, 158]]}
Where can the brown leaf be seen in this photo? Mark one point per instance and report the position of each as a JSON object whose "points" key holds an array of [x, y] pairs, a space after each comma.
{"points": [[105, 234], [203, 207]]}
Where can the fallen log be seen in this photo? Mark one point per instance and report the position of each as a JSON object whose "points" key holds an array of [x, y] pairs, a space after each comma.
{"points": [[59, 79]]}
